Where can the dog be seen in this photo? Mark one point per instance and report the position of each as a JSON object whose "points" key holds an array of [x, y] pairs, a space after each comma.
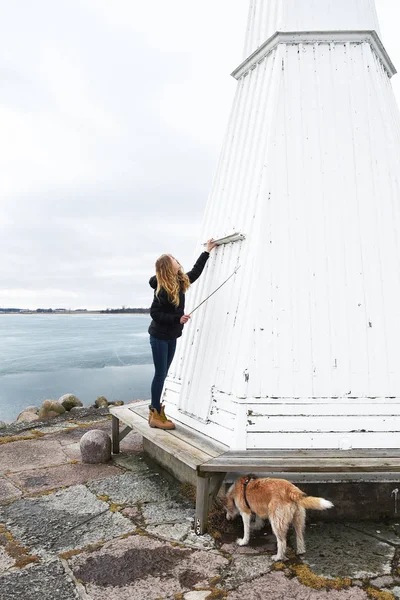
{"points": [[276, 499]]}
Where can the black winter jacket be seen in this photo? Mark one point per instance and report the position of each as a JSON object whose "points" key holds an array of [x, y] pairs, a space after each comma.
{"points": [[166, 316]]}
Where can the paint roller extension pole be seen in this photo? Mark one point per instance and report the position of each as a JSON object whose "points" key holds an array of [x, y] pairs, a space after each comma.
{"points": [[218, 288]]}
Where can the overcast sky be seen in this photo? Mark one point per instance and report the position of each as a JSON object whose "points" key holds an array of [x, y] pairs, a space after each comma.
{"points": [[112, 115]]}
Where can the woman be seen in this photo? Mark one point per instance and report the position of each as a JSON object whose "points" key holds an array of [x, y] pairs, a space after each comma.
{"points": [[167, 311]]}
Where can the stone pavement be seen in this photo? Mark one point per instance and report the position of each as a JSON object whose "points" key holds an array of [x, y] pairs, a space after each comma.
{"points": [[124, 530]]}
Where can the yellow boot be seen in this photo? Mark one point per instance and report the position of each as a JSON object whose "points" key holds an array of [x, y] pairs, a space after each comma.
{"points": [[156, 420], [164, 416]]}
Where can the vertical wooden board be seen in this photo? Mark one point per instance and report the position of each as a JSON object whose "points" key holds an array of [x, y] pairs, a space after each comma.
{"points": [[115, 434], [385, 132], [337, 194], [309, 202], [354, 257], [297, 184], [265, 273], [331, 202], [281, 244], [367, 219]]}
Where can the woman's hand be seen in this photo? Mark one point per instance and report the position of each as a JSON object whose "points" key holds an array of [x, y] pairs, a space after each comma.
{"points": [[210, 245], [184, 319]]}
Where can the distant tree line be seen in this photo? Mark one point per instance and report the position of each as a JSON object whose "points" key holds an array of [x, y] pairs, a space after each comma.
{"points": [[126, 310]]}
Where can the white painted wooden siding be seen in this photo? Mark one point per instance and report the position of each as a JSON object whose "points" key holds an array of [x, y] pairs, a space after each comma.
{"points": [[268, 16], [310, 173]]}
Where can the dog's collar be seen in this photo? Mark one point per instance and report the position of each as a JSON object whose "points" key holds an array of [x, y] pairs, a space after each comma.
{"points": [[245, 484]]}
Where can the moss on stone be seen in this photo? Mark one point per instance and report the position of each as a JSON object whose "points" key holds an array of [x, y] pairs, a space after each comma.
{"points": [[217, 595], [70, 553], [126, 535], [101, 402], [103, 498], [278, 566], [310, 579], [37, 433], [22, 561], [16, 438], [379, 594], [51, 408], [69, 401], [15, 550], [80, 425]]}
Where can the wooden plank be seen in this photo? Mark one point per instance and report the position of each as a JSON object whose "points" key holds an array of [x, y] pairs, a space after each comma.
{"points": [[314, 439], [334, 408], [124, 432], [317, 454], [227, 459], [185, 452], [288, 424], [254, 403], [188, 435], [226, 464]]}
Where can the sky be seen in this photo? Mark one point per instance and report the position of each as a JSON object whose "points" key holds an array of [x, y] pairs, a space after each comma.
{"points": [[112, 117]]}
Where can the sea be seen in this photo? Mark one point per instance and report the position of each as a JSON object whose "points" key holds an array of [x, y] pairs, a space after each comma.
{"points": [[43, 356]]}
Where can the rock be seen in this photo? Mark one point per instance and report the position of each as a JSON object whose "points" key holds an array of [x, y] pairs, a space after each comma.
{"points": [[117, 403], [201, 595], [95, 446], [101, 401], [69, 401], [51, 408], [32, 408], [27, 416], [3, 425]]}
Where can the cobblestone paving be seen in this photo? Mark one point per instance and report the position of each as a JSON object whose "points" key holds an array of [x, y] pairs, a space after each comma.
{"points": [[125, 531]]}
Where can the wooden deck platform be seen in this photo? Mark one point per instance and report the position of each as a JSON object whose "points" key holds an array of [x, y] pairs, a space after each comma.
{"points": [[191, 456]]}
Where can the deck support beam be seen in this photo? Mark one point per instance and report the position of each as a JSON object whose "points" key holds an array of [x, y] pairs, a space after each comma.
{"points": [[206, 490]]}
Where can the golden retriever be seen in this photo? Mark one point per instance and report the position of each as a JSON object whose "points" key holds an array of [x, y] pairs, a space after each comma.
{"points": [[276, 499]]}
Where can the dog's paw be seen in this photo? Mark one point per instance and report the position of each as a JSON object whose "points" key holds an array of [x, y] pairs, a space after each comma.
{"points": [[276, 557], [241, 542], [301, 550]]}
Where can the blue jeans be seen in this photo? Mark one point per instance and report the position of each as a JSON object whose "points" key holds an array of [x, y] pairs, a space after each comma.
{"points": [[163, 353]]}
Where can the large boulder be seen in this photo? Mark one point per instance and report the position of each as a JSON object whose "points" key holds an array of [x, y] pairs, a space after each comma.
{"points": [[101, 402], [51, 408], [69, 401], [29, 415], [95, 446]]}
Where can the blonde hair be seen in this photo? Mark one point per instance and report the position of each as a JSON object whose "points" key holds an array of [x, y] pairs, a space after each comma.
{"points": [[170, 281]]}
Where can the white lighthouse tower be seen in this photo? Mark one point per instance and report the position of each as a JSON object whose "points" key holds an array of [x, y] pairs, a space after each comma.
{"points": [[300, 349]]}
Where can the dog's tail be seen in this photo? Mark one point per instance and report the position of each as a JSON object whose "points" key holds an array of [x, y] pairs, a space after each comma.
{"points": [[314, 503]]}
